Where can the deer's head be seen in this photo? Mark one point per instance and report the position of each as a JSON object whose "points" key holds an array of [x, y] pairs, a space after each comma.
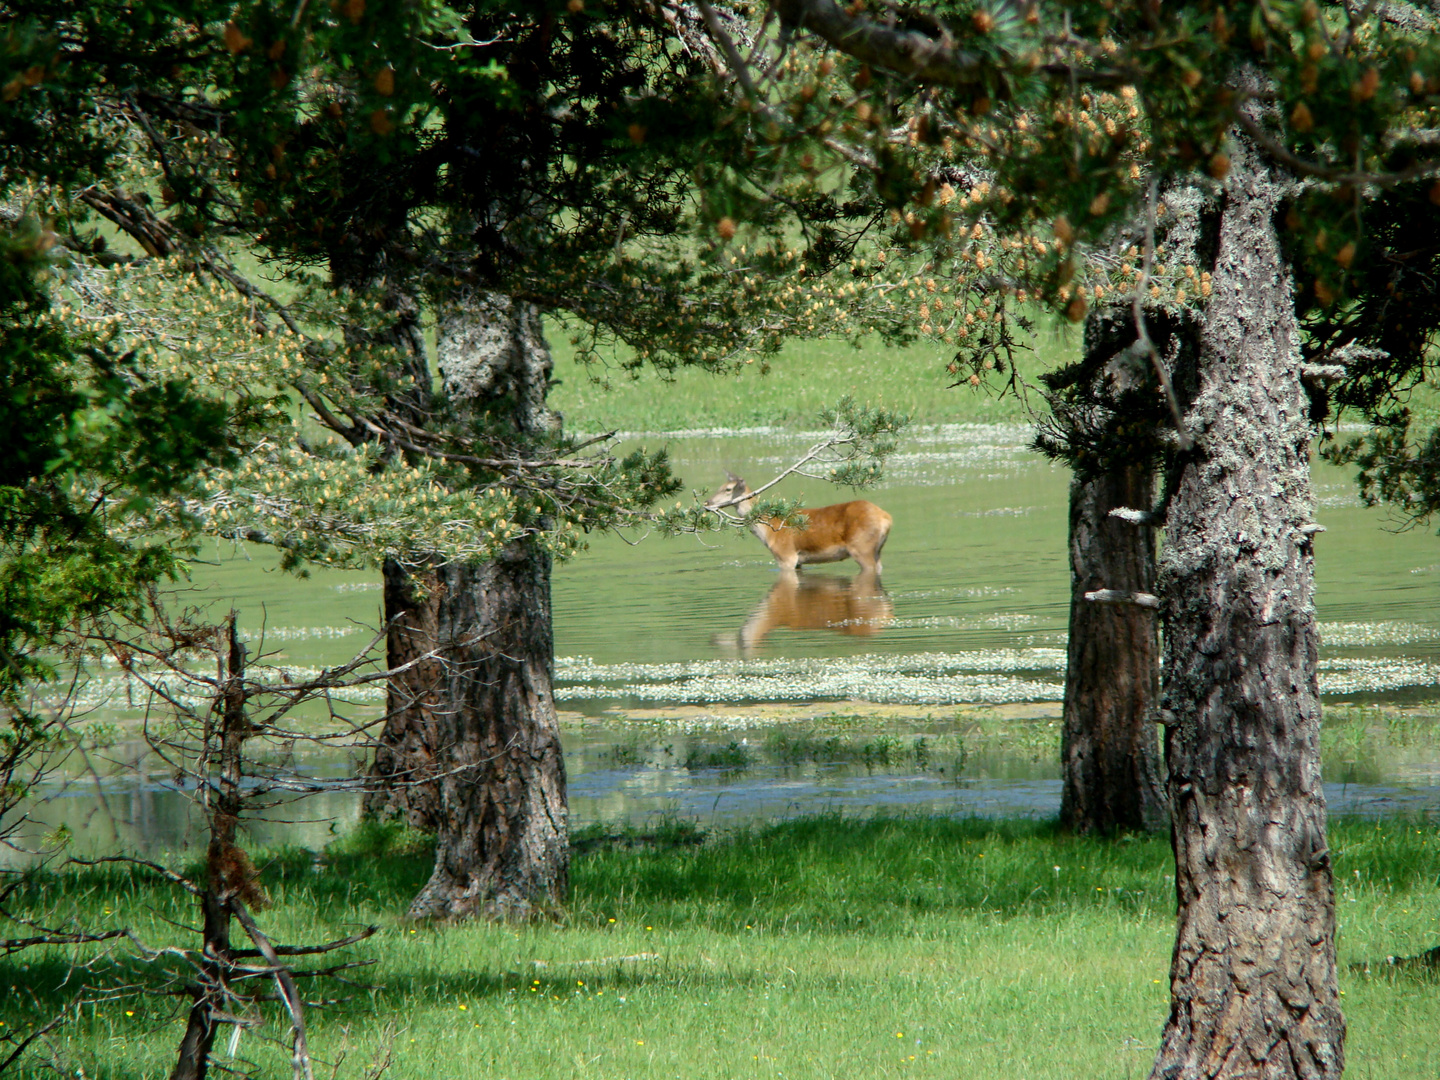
{"points": [[733, 490]]}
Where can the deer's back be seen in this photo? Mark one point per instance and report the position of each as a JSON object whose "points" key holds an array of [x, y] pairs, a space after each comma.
{"points": [[827, 527]]}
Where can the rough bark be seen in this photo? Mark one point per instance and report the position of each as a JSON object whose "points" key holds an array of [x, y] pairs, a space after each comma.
{"points": [[503, 844], [502, 830], [1109, 749], [403, 776], [1108, 416], [1253, 982]]}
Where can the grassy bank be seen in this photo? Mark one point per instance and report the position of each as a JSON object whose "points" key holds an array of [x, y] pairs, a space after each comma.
{"points": [[823, 947], [788, 389], [805, 377]]}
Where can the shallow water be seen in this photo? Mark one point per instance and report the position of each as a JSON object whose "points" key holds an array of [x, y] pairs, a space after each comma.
{"points": [[720, 770], [971, 610], [975, 585]]}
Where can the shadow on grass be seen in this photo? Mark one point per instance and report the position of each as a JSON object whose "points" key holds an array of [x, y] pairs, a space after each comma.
{"points": [[826, 871], [827, 874], [1423, 968], [760, 894], [835, 873]]}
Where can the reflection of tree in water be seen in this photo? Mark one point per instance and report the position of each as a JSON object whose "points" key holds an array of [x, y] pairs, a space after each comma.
{"points": [[858, 606], [138, 807]]}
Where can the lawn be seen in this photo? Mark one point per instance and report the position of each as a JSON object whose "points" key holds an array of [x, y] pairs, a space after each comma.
{"points": [[792, 387], [819, 947]]}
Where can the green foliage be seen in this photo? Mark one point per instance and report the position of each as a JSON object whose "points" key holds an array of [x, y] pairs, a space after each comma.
{"points": [[96, 442], [732, 756], [1386, 340], [1032, 135], [367, 151], [872, 437], [1031, 101]]}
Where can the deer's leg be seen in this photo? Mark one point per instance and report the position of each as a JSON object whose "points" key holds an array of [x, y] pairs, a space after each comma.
{"points": [[884, 534]]}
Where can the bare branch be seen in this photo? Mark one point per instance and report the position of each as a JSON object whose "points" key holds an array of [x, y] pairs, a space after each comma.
{"points": [[935, 60], [1117, 596], [1134, 517], [289, 992], [310, 950], [1331, 173], [56, 937], [169, 875], [25, 1042], [738, 67]]}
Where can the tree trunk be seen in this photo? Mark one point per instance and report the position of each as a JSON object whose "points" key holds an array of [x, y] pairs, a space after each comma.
{"points": [[502, 821], [1109, 749], [1253, 988], [403, 777], [503, 845]]}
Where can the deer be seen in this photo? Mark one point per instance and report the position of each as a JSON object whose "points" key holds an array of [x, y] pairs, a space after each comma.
{"points": [[852, 530]]}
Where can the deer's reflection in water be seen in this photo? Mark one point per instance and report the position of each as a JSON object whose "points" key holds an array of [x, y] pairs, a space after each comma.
{"points": [[858, 606]]}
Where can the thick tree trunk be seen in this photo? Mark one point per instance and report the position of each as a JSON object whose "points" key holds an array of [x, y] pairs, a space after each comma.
{"points": [[501, 816], [1253, 987], [403, 777], [503, 845], [1109, 748]]}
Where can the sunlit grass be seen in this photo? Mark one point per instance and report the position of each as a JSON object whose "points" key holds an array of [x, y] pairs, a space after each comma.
{"points": [[804, 378], [821, 947]]}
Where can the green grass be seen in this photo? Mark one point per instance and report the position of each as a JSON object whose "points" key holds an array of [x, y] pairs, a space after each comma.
{"points": [[822, 947], [983, 741], [804, 378]]}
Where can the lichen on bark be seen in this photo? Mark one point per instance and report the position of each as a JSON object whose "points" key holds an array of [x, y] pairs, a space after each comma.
{"points": [[1253, 980]]}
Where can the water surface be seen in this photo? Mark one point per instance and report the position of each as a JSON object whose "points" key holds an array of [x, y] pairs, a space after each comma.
{"points": [[676, 642]]}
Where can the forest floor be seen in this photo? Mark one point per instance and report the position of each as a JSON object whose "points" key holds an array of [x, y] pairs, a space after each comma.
{"points": [[820, 947]]}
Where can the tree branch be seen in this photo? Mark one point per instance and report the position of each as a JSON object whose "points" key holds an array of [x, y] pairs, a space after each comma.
{"points": [[289, 992], [937, 61], [310, 950], [25, 1042], [1117, 596]]}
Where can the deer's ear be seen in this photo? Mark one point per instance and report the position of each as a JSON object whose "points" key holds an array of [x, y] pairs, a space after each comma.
{"points": [[733, 478]]}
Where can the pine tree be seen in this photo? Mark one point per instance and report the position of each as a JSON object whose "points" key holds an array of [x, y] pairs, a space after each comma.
{"points": [[479, 166], [1296, 112]]}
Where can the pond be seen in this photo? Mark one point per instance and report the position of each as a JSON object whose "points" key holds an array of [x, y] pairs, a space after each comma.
{"points": [[696, 681]]}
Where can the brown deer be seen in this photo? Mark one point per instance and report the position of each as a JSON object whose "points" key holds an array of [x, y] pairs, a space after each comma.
{"points": [[853, 530]]}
